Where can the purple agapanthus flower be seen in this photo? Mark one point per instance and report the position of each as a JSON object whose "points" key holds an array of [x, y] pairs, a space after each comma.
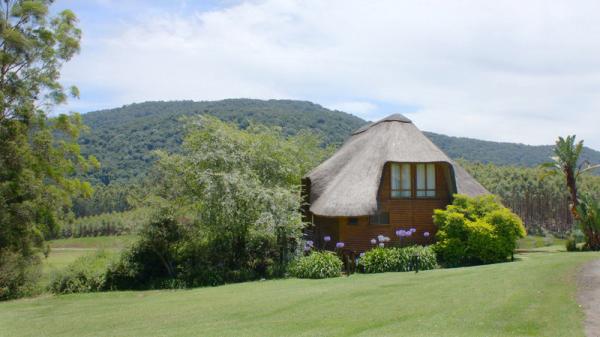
{"points": [[339, 245], [408, 233], [380, 237], [412, 230], [401, 233], [307, 248], [381, 244], [426, 234], [373, 241], [327, 238], [310, 243], [362, 254]]}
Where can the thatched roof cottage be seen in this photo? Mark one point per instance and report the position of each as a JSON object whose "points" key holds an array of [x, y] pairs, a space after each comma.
{"points": [[387, 176]]}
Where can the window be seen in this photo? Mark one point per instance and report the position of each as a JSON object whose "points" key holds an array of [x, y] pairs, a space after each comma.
{"points": [[380, 218], [353, 221], [401, 181], [425, 180]]}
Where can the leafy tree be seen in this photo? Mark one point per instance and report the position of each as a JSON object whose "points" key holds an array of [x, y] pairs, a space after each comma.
{"points": [[240, 184], [38, 154], [235, 196]]}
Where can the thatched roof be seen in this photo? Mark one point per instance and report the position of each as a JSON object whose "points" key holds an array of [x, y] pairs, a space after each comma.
{"points": [[347, 184]]}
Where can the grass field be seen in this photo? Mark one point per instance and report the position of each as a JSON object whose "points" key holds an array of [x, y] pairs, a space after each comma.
{"points": [[534, 242], [533, 296], [97, 242], [65, 251]]}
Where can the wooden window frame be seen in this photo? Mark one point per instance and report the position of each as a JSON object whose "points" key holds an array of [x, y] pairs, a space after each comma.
{"points": [[414, 190], [401, 190], [426, 190]]}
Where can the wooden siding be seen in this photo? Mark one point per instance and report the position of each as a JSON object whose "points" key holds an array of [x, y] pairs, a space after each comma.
{"points": [[404, 213], [326, 226]]}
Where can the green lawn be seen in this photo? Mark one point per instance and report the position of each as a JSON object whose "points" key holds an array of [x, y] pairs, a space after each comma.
{"points": [[534, 241], [531, 297]]}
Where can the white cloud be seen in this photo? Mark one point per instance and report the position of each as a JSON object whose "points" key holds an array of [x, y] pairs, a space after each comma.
{"points": [[511, 70]]}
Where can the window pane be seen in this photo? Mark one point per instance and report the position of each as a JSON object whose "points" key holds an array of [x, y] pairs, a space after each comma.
{"points": [[395, 177], [406, 177], [421, 193], [431, 176], [420, 176], [401, 194], [384, 218], [381, 218], [431, 193]]}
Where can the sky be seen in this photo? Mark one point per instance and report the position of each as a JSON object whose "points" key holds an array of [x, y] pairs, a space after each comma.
{"points": [[514, 71]]}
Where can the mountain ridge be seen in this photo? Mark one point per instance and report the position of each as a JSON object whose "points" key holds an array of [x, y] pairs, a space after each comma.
{"points": [[123, 138]]}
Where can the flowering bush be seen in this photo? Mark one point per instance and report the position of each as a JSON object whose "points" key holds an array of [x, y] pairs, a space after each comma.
{"points": [[475, 231], [381, 260], [317, 265]]}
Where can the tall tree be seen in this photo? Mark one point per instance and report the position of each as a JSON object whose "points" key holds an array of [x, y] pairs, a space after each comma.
{"points": [[38, 154], [566, 160]]}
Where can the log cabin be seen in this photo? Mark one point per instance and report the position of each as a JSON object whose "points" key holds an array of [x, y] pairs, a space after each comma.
{"points": [[387, 177]]}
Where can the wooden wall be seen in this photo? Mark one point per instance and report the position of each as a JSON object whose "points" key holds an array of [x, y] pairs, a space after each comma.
{"points": [[403, 213]]}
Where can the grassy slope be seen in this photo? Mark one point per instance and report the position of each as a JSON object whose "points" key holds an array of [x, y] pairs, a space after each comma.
{"points": [[534, 296]]}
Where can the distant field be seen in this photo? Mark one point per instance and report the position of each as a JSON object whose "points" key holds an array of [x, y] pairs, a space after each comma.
{"points": [[533, 296], [65, 251], [97, 242]]}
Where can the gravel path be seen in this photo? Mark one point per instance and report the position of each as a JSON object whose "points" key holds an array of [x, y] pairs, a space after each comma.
{"points": [[589, 297]]}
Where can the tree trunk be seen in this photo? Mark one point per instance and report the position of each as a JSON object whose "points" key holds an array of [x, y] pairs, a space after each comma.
{"points": [[572, 185]]}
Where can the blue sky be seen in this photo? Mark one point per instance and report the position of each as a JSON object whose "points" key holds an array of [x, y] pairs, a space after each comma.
{"points": [[506, 71]]}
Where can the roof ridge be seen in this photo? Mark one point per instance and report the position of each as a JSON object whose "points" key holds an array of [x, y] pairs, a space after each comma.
{"points": [[397, 117]]}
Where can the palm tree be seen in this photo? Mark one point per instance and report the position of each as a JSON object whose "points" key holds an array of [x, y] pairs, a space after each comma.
{"points": [[566, 160]]}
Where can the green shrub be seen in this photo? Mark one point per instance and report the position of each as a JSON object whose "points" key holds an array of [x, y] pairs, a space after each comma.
{"points": [[571, 244], [169, 252], [153, 259], [18, 274], [86, 274], [476, 231], [589, 221], [317, 265], [427, 259], [381, 260]]}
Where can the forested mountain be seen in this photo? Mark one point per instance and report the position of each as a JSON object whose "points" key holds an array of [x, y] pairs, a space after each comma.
{"points": [[123, 138]]}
